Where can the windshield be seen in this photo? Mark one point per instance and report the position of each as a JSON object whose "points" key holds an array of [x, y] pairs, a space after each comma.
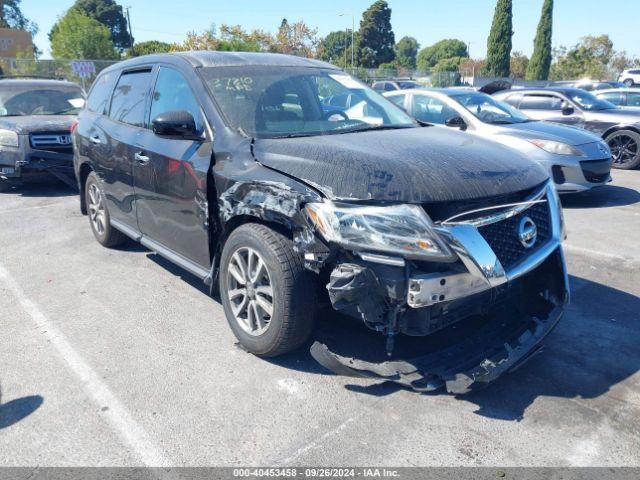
{"points": [[489, 110], [275, 102], [24, 99], [588, 101]]}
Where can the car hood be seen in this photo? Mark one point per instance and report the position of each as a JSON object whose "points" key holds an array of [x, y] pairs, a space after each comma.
{"points": [[617, 115], [414, 165], [549, 131], [37, 123]]}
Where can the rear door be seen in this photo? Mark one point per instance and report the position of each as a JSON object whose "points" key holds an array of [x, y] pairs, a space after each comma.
{"points": [[118, 133], [170, 174]]}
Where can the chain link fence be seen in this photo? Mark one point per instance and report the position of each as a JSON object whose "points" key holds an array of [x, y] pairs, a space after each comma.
{"points": [[82, 72]]}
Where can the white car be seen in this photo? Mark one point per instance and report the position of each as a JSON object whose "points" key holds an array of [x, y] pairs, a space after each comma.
{"points": [[630, 77], [576, 159]]}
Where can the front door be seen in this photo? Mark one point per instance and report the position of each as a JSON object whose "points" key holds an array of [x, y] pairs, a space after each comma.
{"points": [[549, 107], [170, 175]]}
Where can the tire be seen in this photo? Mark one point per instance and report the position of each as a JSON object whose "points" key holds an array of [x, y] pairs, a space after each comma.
{"points": [[625, 149], [4, 186], [98, 214], [628, 82], [293, 293]]}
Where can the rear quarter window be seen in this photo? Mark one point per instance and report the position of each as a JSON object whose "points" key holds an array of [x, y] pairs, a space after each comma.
{"points": [[101, 92]]}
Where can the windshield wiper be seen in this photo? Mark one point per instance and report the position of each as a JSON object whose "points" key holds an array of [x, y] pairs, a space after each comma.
{"points": [[372, 128]]}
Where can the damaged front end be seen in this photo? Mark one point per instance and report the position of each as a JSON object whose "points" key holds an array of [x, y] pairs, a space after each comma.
{"points": [[496, 286]]}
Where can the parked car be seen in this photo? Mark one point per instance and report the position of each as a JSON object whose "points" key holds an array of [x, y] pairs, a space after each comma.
{"points": [[391, 85], [576, 159], [619, 128], [588, 85], [227, 165], [621, 97], [35, 128], [630, 77]]}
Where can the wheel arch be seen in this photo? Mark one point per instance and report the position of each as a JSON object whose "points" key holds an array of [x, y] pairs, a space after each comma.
{"points": [[617, 128]]}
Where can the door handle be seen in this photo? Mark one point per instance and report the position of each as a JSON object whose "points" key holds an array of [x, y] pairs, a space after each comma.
{"points": [[141, 158], [95, 140]]}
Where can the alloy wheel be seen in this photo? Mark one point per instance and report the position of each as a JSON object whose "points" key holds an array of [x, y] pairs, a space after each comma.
{"points": [[96, 209], [250, 291], [624, 149]]}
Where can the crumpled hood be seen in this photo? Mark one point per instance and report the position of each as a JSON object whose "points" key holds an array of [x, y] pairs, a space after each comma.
{"points": [[414, 165], [37, 123], [550, 131]]}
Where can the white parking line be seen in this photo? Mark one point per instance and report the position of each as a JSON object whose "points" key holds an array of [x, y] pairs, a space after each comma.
{"points": [[37, 207], [118, 416], [596, 253]]}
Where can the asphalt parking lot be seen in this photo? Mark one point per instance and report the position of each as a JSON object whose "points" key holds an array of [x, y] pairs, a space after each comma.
{"points": [[116, 357]]}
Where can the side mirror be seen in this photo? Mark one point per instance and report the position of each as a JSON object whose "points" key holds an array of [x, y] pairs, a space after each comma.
{"points": [[567, 109], [456, 122], [176, 124]]}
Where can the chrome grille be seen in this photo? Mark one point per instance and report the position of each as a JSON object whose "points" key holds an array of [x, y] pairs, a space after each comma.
{"points": [[51, 141], [503, 236]]}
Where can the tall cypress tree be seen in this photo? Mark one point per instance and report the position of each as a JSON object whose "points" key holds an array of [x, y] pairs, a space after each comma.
{"points": [[377, 41], [540, 63], [499, 42]]}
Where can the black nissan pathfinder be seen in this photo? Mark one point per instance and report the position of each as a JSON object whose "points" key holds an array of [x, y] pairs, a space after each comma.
{"points": [[232, 166]]}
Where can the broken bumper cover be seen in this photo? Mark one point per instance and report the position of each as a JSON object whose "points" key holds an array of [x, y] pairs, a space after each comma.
{"points": [[450, 368], [17, 164]]}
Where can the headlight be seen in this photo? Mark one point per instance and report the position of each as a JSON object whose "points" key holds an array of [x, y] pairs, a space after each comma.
{"points": [[400, 229], [8, 138], [558, 148], [604, 148]]}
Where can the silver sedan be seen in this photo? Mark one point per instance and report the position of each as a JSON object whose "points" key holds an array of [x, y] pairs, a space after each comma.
{"points": [[576, 159]]}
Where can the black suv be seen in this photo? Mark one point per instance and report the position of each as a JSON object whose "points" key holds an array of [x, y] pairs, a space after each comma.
{"points": [[36, 116], [233, 167]]}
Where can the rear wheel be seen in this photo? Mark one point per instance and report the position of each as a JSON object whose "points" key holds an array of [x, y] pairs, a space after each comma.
{"points": [[98, 213], [267, 294], [625, 149], [4, 186], [628, 82]]}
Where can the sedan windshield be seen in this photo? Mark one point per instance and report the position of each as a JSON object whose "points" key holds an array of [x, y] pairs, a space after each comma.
{"points": [[22, 99], [588, 101], [279, 102], [489, 110]]}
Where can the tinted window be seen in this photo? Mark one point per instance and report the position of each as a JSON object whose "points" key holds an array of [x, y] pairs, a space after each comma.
{"points": [[634, 72], [613, 97], [379, 86], [431, 110], [128, 102], [389, 87], [100, 93], [633, 99], [172, 92], [489, 110], [513, 100], [398, 100], [541, 102]]}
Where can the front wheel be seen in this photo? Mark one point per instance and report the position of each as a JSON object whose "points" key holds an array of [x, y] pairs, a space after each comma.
{"points": [[628, 82], [267, 294], [625, 149]]}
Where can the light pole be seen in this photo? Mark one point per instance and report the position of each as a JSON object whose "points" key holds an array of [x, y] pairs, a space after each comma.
{"points": [[353, 28], [133, 52]]}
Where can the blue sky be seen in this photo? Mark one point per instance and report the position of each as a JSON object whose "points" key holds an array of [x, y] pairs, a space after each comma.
{"points": [[427, 20]]}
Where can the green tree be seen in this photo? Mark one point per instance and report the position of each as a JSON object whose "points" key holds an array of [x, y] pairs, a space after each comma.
{"points": [[445, 72], [11, 16], [406, 52], [448, 48], [376, 38], [336, 48], [296, 39], [518, 65], [499, 41], [80, 36], [151, 46], [592, 57], [109, 13], [540, 64]]}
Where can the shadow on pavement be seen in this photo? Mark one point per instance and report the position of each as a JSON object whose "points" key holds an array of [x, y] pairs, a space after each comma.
{"points": [[603, 197], [16, 410], [595, 347], [49, 187]]}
